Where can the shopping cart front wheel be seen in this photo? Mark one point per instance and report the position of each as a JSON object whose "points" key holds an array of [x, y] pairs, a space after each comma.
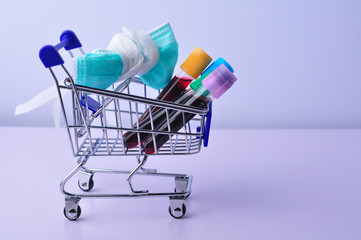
{"points": [[177, 208], [73, 213]]}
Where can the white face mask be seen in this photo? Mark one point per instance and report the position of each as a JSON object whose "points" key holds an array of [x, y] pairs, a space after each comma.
{"points": [[152, 56], [129, 53], [137, 50], [147, 47]]}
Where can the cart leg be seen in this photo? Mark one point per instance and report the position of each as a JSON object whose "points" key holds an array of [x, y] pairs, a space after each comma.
{"points": [[72, 209], [81, 163], [177, 208], [130, 176], [183, 185], [146, 170], [86, 182]]}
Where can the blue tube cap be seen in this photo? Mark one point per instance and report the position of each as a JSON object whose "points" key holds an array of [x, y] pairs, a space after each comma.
{"points": [[216, 64]]}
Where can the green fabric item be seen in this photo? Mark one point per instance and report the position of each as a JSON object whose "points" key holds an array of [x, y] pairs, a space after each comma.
{"points": [[160, 75], [99, 69]]}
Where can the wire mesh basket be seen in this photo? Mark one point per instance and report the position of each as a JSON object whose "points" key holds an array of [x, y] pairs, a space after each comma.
{"points": [[97, 121]]}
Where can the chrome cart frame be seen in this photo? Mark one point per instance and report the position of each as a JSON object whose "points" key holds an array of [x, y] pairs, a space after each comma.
{"points": [[92, 133]]}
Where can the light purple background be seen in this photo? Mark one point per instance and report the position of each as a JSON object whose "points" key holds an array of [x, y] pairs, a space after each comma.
{"points": [[298, 62], [299, 66]]}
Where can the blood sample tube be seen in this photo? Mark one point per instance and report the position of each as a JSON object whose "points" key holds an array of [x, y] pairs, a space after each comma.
{"points": [[214, 85], [191, 68]]}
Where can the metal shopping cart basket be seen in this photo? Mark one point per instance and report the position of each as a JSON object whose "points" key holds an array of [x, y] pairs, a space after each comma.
{"points": [[87, 113]]}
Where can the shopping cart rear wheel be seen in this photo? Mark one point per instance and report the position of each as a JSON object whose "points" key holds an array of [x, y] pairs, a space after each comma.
{"points": [[72, 214], [178, 212], [86, 186]]}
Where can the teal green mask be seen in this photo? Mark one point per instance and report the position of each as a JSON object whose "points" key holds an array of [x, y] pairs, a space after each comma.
{"points": [[160, 75], [99, 69]]}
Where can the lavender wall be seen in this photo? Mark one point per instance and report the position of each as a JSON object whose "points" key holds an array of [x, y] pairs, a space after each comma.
{"points": [[298, 62]]}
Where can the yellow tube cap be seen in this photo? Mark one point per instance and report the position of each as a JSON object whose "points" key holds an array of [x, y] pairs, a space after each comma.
{"points": [[196, 62]]}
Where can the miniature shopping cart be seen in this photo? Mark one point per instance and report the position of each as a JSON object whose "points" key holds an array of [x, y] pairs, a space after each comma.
{"points": [[96, 121]]}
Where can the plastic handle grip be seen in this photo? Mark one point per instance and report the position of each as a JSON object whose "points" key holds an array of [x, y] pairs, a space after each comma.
{"points": [[49, 54], [73, 41], [208, 126], [93, 105]]}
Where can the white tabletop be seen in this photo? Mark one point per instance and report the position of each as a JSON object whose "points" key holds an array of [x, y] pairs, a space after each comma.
{"points": [[248, 184]]}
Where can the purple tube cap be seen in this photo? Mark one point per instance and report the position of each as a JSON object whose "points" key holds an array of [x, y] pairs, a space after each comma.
{"points": [[219, 81]]}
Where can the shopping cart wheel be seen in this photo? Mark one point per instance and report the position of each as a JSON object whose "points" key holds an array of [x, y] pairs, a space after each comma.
{"points": [[178, 212], [72, 213], [86, 185], [177, 208], [86, 182]]}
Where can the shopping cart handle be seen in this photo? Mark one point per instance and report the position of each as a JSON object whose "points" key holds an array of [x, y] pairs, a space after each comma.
{"points": [[49, 54], [71, 38]]}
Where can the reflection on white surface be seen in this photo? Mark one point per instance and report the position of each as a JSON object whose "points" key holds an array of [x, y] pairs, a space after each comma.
{"points": [[274, 184]]}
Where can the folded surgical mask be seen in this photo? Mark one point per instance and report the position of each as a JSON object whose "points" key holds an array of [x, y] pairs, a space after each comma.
{"points": [[159, 76], [152, 56], [128, 53], [99, 69]]}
